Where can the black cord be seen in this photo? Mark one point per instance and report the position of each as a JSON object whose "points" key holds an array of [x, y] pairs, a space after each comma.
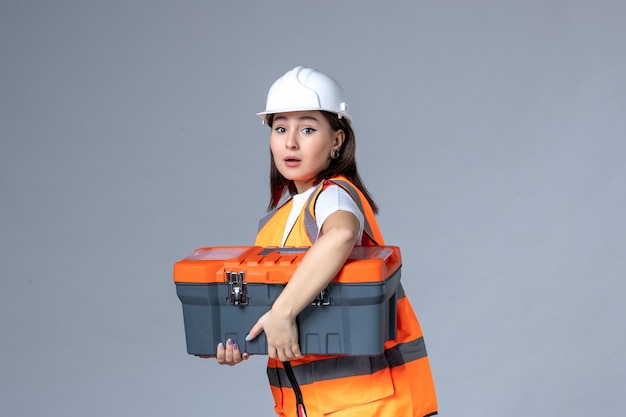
{"points": [[296, 388]]}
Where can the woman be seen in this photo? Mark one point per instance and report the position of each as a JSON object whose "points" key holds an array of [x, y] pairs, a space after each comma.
{"points": [[318, 200]]}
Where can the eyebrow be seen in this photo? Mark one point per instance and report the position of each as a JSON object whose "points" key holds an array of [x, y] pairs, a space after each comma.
{"points": [[305, 117]]}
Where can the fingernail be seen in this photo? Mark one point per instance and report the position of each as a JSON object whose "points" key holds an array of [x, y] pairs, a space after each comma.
{"points": [[235, 347], [220, 345], [247, 337], [229, 342]]}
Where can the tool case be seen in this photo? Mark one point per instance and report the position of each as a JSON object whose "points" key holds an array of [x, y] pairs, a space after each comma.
{"points": [[225, 290]]}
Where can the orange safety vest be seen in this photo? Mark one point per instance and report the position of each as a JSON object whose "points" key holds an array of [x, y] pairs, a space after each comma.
{"points": [[397, 383]]}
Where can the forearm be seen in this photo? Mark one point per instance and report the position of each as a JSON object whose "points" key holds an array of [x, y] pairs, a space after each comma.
{"points": [[318, 267]]}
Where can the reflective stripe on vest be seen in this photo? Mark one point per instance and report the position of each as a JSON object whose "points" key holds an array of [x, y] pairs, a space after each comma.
{"points": [[346, 366]]}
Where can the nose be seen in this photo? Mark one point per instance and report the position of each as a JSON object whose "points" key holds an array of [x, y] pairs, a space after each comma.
{"points": [[291, 142]]}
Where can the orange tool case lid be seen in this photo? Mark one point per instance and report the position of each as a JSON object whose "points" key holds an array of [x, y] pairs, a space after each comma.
{"points": [[366, 264]]}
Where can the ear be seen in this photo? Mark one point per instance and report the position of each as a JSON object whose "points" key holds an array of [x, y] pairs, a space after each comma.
{"points": [[340, 136]]}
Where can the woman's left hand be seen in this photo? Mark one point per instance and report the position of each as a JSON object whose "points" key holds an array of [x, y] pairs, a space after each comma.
{"points": [[281, 333]]}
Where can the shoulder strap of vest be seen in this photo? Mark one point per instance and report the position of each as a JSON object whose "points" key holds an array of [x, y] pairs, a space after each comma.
{"points": [[283, 200], [370, 226]]}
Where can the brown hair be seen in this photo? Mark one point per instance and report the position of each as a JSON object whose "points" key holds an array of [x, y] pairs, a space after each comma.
{"points": [[344, 165]]}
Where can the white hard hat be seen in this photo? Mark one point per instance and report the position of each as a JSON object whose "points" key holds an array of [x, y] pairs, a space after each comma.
{"points": [[305, 89]]}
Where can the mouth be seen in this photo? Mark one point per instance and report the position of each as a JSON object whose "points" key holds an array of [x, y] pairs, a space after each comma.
{"points": [[291, 161]]}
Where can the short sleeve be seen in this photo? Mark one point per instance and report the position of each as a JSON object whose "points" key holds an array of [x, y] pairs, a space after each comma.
{"points": [[332, 199]]}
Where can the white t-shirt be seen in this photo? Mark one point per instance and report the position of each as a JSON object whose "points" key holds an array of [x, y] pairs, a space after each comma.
{"points": [[333, 198]]}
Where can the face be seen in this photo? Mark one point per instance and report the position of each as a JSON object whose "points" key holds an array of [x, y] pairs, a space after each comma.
{"points": [[301, 144]]}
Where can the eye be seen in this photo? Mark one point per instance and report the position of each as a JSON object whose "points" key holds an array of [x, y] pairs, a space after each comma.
{"points": [[308, 130], [280, 129]]}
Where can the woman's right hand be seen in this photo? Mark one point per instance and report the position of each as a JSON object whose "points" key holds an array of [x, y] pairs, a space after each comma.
{"points": [[230, 354]]}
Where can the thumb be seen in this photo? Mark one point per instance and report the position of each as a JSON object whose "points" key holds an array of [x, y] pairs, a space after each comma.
{"points": [[255, 331]]}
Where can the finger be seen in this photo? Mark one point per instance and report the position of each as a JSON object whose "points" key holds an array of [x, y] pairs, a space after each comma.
{"points": [[285, 354], [254, 331], [272, 353], [297, 353], [228, 353], [290, 353], [232, 355], [221, 353], [238, 356]]}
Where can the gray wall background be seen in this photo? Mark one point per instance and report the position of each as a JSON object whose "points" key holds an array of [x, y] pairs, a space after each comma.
{"points": [[491, 133]]}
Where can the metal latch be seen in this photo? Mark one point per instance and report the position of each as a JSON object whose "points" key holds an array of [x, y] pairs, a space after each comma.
{"points": [[323, 298], [237, 288]]}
